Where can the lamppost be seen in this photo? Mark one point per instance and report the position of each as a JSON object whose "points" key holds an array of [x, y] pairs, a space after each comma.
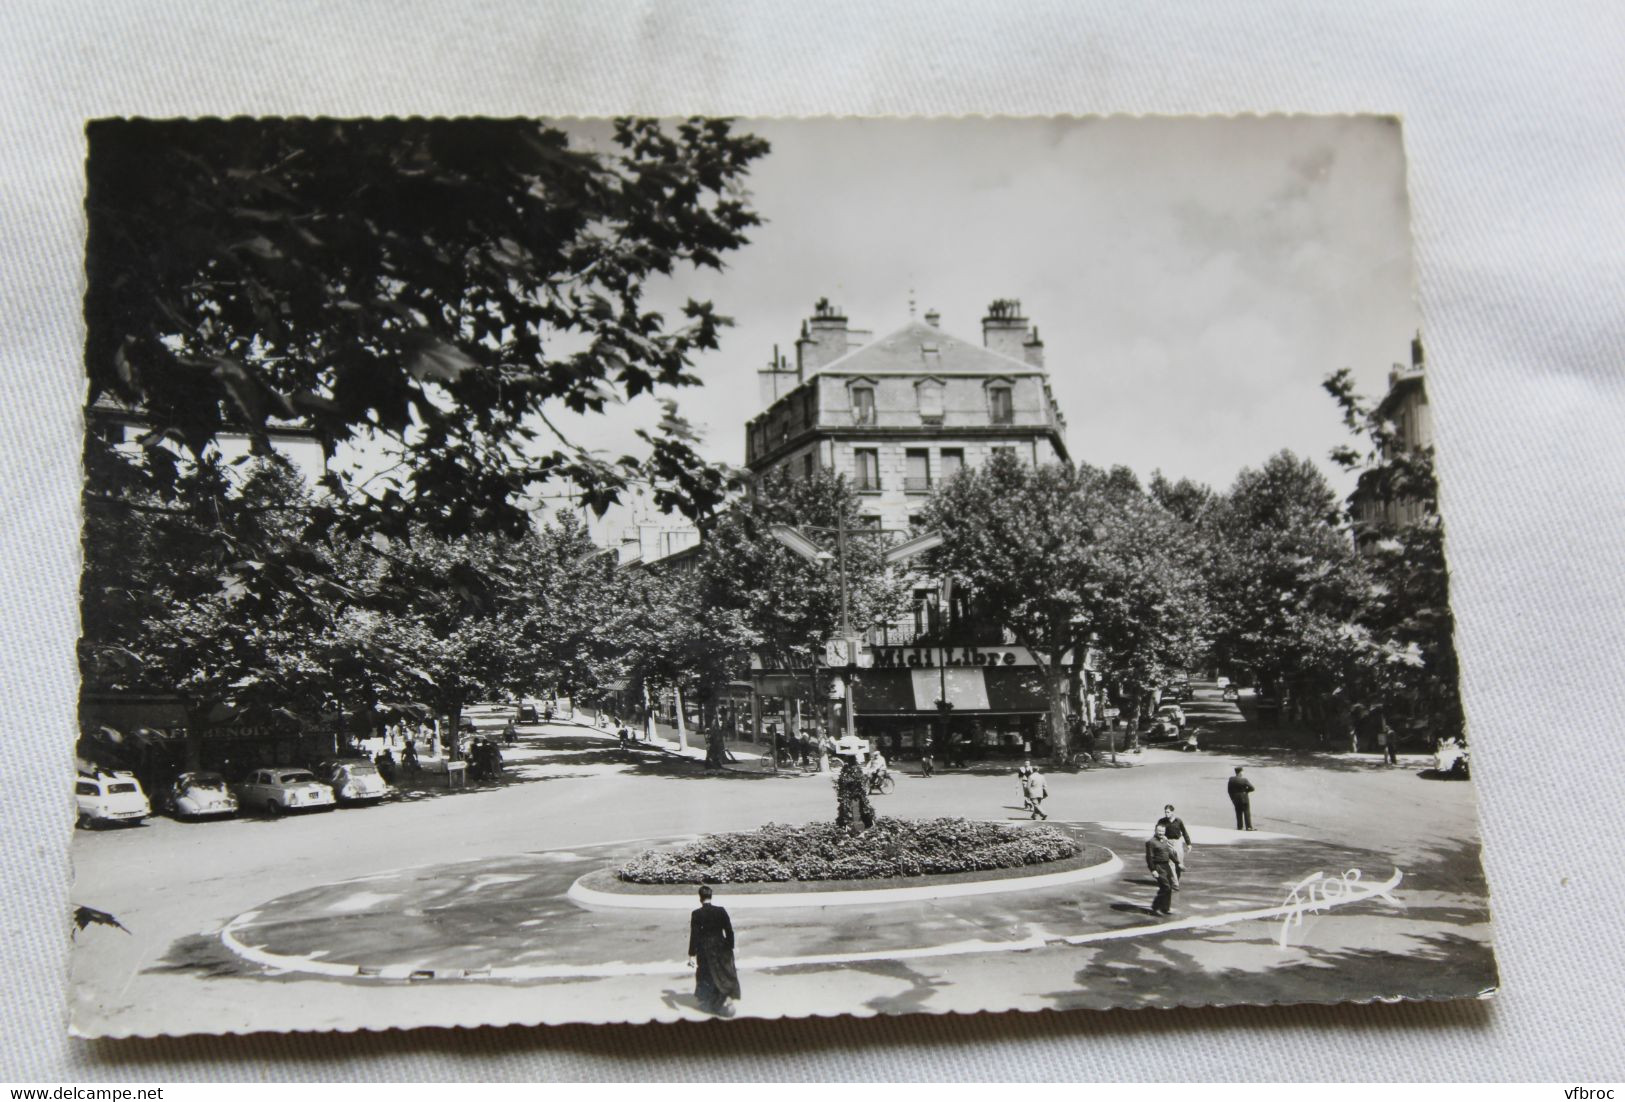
{"points": [[798, 541]]}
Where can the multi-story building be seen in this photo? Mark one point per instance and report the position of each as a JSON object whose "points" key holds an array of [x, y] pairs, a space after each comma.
{"points": [[899, 415], [1405, 407]]}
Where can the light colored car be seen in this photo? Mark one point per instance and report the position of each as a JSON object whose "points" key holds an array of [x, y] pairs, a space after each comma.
{"points": [[355, 781], [110, 798], [276, 791], [1173, 713], [197, 796]]}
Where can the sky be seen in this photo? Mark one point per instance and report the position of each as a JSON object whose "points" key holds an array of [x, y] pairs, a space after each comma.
{"points": [[1193, 280]]}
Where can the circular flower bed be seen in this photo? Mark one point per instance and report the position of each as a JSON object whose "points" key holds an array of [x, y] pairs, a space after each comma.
{"points": [[821, 851]]}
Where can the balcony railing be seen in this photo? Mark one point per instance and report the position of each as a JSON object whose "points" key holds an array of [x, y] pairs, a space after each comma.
{"points": [[914, 485], [867, 484], [909, 632]]}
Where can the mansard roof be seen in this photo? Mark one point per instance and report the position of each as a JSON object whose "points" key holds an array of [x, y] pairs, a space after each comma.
{"points": [[904, 352]]}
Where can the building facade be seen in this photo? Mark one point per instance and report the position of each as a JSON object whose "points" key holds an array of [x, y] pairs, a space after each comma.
{"points": [[899, 416], [1405, 407]]}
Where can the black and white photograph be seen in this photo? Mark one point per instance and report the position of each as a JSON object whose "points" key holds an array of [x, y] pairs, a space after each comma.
{"points": [[634, 570]]}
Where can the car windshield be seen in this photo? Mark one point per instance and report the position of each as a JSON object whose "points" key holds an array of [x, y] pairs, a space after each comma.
{"points": [[298, 776], [359, 768], [121, 786]]}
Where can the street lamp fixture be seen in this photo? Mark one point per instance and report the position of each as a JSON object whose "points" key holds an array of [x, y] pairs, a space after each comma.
{"points": [[808, 548]]}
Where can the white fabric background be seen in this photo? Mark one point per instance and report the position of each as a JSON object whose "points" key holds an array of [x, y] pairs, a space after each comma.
{"points": [[1513, 121]]}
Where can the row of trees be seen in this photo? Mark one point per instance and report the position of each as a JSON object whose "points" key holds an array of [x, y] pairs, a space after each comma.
{"points": [[423, 299], [1262, 579]]}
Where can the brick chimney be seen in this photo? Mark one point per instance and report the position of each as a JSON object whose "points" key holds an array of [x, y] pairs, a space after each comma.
{"points": [[824, 338], [1033, 350], [1004, 330]]}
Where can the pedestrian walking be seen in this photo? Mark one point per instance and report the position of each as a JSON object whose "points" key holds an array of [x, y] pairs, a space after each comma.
{"points": [[409, 759], [1037, 792], [1163, 863], [1179, 835], [927, 765], [1022, 776], [711, 955], [1386, 744], [1241, 791]]}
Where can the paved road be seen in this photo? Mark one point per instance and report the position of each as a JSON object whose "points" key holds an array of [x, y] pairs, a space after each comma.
{"points": [[175, 886]]}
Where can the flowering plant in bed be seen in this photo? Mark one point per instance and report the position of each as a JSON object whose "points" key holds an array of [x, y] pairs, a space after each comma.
{"points": [[890, 849]]}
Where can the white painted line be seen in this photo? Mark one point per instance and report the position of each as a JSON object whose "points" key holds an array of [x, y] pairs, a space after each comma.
{"points": [[1289, 911], [593, 898]]}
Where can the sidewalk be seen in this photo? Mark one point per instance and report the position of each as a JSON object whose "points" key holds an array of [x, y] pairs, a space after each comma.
{"points": [[743, 752]]}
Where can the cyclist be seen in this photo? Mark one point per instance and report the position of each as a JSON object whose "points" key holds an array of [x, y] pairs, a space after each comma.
{"points": [[876, 768]]}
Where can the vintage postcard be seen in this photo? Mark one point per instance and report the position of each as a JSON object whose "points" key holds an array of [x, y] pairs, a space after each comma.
{"points": [[637, 570]]}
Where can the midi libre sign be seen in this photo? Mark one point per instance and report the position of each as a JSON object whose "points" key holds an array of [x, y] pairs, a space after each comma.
{"points": [[916, 658]]}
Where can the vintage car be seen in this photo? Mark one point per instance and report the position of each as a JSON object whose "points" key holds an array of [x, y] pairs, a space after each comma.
{"points": [[197, 796], [1174, 713], [109, 798], [354, 781], [276, 791]]}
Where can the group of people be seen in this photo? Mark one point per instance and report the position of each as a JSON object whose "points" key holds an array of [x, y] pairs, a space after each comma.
{"points": [[1168, 849], [1034, 790]]}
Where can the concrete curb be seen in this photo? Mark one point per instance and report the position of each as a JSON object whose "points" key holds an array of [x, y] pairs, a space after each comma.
{"points": [[593, 899]]}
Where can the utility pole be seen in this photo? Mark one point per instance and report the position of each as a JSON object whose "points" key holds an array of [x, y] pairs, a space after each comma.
{"points": [[846, 622]]}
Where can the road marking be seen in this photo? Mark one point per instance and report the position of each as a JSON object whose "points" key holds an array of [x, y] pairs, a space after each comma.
{"points": [[283, 963]]}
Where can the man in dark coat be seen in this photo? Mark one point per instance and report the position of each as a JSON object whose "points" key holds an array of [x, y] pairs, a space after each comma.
{"points": [[1163, 862], [711, 955], [1241, 790]]}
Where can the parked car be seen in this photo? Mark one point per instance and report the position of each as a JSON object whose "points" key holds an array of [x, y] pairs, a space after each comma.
{"points": [[197, 796], [1174, 713], [354, 781], [1160, 728], [276, 791], [109, 798], [530, 711]]}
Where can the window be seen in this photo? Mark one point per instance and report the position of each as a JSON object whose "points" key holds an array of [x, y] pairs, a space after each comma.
{"points": [[916, 522], [917, 478], [863, 405], [85, 788], [869, 522], [930, 395], [866, 469], [999, 405], [953, 461]]}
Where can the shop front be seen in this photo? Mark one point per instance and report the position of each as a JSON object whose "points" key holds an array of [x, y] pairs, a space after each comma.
{"points": [[999, 697]]}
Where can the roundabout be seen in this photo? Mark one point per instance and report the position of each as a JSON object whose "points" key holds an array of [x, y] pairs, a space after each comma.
{"points": [[528, 918]]}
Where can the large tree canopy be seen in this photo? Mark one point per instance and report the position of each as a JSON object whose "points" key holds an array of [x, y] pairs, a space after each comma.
{"points": [[1058, 553], [1285, 582], [432, 287], [1407, 630]]}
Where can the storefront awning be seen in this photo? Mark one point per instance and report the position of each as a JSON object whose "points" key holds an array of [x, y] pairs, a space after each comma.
{"points": [[1006, 690]]}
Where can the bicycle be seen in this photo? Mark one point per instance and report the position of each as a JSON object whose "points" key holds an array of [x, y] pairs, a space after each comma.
{"points": [[882, 784]]}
